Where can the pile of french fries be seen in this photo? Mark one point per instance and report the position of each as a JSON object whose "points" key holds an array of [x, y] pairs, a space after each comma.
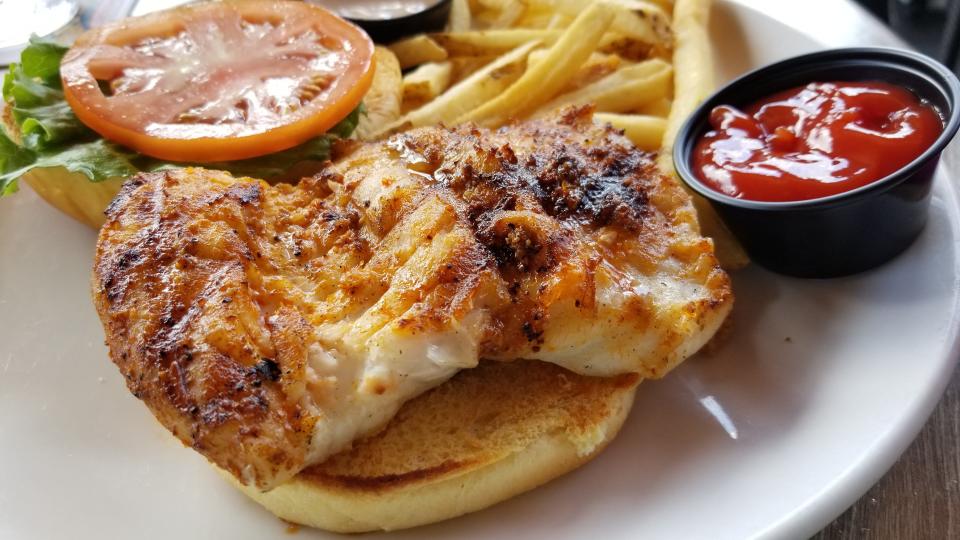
{"points": [[501, 60], [643, 64]]}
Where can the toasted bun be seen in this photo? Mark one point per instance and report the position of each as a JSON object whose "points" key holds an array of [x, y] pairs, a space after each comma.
{"points": [[73, 193], [488, 434]]}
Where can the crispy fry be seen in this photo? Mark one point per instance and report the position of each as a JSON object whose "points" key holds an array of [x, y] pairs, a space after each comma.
{"points": [[598, 66], [486, 42], [464, 66], [536, 17], [510, 13], [623, 90], [470, 93], [635, 19], [644, 131], [418, 50], [425, 83], [495, 5], [629, 48], [693, 82], [559, 20], [660, 107], [542, 81], [382, 101], [460, 19]]}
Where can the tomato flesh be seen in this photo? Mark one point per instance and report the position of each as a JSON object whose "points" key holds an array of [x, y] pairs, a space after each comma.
{"points": [[218, 81]]}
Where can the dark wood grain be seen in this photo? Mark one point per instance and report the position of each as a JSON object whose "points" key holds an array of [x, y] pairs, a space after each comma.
{"points": [[919, 498]]}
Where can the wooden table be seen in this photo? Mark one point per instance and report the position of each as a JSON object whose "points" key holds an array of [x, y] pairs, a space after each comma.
{"points": [[919, 498]]}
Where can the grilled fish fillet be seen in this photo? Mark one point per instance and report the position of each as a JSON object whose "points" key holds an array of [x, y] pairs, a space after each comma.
{"points": [[268, 327]]}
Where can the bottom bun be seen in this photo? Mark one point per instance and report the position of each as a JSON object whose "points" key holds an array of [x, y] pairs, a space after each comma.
{"points": [[488, 434]]}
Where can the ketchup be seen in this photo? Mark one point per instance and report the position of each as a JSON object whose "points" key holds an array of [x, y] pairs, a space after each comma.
{"points": [[814, 141]]}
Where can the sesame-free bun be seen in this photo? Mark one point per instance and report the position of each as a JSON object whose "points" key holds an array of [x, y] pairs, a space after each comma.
{"points": [[488, 434]]}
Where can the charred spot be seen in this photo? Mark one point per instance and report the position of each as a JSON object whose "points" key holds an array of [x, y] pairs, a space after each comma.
{"points": [[123, 197], [246, 193], [330, 215], [127, 258], [267, 369], [530, 332]]}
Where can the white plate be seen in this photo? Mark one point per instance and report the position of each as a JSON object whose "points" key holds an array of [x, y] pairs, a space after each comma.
{"points": [[821, 387]]}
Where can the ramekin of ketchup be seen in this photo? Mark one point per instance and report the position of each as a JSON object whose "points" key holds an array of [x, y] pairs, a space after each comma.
{"points": [[814, 141], [822, 165]]}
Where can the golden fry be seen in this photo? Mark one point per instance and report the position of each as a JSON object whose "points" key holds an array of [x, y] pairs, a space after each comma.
{"points": [[623, 90], [470, 93], [635, 19], [425, 83], [693, 82], [660, 107], [646, 132], [544, 80], [464, 66], [418, 50], [486, 42], [460, 19]]}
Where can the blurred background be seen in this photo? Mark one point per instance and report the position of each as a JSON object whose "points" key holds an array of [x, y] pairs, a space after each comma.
{"points": [[929, 25]]}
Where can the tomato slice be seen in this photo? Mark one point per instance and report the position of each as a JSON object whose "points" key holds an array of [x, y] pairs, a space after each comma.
{"points": [[218, 81]]}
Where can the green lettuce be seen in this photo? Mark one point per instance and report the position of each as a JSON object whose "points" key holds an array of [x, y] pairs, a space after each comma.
{"points": [[42, 131]]}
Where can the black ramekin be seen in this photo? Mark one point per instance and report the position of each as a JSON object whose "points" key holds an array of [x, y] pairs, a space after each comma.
{"points": [[846, 233], [432, 19]]}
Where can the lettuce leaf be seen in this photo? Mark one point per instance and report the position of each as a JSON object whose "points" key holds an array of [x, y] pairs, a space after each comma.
{"points": [[42, 131]]}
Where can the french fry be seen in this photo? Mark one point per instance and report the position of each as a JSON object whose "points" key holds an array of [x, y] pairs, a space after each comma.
{"points": [[425, 83], [660, 107], [464, 66], [559, 20], [665, 5], [542, 81], [646, 132], [417, 50], [598, 66], [460, 20], [635, 19], [495, 5], [486, 42], [478, 88], [510, 13], [536, 17], [628, 48], [623, 90], [382, 102], [500, 40], [693, 69]]}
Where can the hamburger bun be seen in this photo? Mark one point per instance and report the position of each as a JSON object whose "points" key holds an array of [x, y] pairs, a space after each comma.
{"points": [[486, 435]]}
